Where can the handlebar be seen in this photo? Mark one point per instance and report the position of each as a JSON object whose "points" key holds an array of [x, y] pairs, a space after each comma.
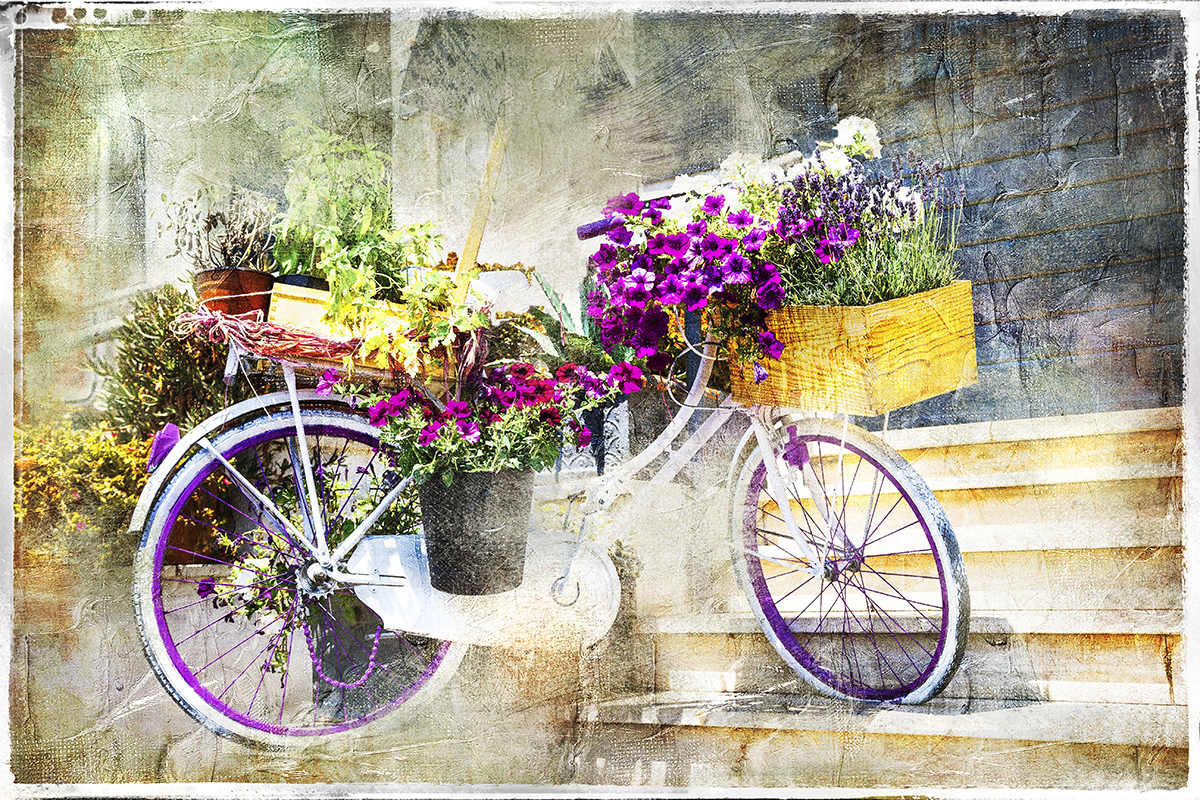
{"points": [[598, 227]]}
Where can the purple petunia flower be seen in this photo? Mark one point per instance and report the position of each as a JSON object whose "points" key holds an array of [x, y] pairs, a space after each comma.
{"points": [[772, 347], [654, 325], [737, 268], [379, 413], [762, 272], [713, 204], [714, 248], [636, 287], [677, 245], [770, 294], [628, 204], [206, 586], [657, 244], [583, 436], [671, 289], [753, 240], [594, 386], [697, 229], [605, 256], [620, 235], [626, 377], [399, 402], [329, 379], [429, 434], [760, 373], [740, 219], [695, 296], [469, 430], [458, 409]]}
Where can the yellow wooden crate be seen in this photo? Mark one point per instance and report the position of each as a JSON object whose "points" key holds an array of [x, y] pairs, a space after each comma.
{"points": [[301, 308], [866, 360]]}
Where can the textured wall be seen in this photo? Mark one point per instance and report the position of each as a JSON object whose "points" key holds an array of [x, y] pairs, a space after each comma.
{"points": [[1066, 131]]}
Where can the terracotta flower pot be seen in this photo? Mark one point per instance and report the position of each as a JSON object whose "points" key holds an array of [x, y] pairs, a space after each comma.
{"points": [[234, 291], [476, 530]]}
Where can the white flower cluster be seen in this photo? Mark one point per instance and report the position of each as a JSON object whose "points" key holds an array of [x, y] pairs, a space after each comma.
{"points": [[849, 132], [856, 136]]}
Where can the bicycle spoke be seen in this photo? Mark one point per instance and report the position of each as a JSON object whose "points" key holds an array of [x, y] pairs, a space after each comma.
{"points": [[855, 623], [229, 594]]}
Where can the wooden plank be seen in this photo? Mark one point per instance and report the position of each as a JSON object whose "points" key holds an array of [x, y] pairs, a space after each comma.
{"points": [[483, 207], [867, 360]]}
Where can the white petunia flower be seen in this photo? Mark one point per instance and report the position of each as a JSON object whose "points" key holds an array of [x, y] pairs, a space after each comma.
{"points": [[850, 127], [835, 160]]}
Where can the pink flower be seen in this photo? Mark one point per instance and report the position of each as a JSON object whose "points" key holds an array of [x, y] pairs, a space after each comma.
{"points": [[329, 380], [379, 413], [458, 409], [626, 377], [583, 436], [429, 434], [469, 430]]}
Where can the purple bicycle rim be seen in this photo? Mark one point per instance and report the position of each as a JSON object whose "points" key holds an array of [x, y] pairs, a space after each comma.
{"points": [[766, 601], [214, 702]]}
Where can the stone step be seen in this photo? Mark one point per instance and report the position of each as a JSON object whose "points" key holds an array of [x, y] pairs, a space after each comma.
{"points": [[1003, 661], [1030, 721], [760, 740]]}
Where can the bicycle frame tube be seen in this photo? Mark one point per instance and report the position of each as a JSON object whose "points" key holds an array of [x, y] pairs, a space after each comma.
{"points": [[318, 521], [361, 530], [778, 488], [610, 486]]}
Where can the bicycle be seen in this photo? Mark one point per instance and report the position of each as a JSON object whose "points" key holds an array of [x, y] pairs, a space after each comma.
{"points": [[276, 603]]}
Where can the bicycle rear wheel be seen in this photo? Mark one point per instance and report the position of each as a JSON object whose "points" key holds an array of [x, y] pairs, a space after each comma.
{"points": [[233, 625], [883, 613]]}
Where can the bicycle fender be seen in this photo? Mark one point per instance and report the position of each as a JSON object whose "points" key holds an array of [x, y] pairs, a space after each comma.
{"points": [[217, 421]]}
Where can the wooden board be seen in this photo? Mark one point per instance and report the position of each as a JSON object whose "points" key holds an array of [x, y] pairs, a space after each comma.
{"points": [[867, 360], [302, 308]]}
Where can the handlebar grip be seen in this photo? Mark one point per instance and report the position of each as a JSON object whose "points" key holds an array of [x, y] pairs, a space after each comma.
{"points": [[598, 227]]}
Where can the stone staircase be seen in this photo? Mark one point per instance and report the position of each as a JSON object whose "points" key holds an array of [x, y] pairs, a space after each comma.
{"points": [[1074, 677]]}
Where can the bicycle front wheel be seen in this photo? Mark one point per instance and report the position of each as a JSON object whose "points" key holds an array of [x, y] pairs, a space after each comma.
{"points": [[234, 624], [874, 606]]}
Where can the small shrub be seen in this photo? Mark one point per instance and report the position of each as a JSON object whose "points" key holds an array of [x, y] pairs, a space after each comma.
{"points": [[157, 377], [75, 492]]}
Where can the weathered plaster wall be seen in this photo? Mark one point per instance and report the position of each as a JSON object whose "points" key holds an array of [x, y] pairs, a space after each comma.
{"points": [[1067, 131]]}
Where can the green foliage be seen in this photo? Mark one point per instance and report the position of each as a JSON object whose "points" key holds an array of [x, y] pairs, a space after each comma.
{"points": [[388, 265], [338, 193], [156, 376], [76, 490], [227, 232]]}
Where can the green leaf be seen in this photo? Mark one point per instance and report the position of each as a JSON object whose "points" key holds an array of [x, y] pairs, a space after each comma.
{"points": [[545, 342]]}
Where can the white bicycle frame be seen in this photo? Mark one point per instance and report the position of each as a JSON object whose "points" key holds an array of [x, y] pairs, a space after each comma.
{"points": [[399, 588]]}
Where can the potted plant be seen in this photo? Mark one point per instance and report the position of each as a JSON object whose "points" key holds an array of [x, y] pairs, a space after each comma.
{"points": [[831, 288], [228, 241], [339, 200], [475, 455]]}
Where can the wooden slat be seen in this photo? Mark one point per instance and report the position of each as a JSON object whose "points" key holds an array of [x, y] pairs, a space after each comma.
{"points": [[870, 359]]}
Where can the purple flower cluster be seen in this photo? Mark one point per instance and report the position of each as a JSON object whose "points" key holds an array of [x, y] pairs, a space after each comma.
{"points": [[715, 260], [516, 388]]}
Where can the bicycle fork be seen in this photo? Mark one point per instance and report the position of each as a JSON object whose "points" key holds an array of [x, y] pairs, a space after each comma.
{"points": [[797, 456]]}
